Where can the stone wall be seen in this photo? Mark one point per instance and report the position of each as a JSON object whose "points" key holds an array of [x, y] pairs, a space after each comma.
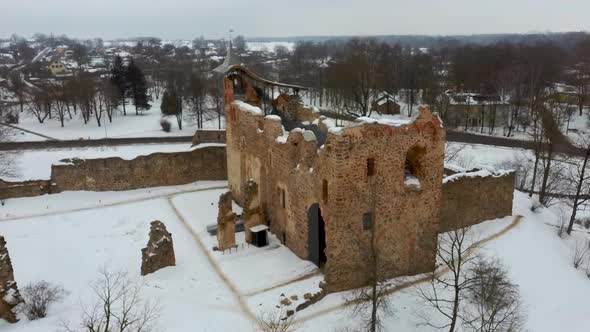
{"points": [[471, 198], [24, 188], [157, 169], [294, 174], [208, 136]]}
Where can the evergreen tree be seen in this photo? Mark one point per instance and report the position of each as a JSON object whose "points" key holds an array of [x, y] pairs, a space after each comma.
{"points": [[119, 80], [172, 105], [137, 87]]}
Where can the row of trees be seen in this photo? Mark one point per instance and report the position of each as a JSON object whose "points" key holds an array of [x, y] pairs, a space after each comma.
{"points": [[348, 75], [85, 94]]}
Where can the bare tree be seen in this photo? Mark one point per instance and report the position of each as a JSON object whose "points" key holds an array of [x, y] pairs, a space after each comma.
{"points": [[494, 302], [119, 307], [39, 103], [18, 86], [453, 152], [197, 96], [276, 321], [446, 290], [60, 101], [510, 85], [580, 253], [216, 95], [38, 297], [578, 176], [354, 78], [580, 74], [371, 303], [8, 165]]}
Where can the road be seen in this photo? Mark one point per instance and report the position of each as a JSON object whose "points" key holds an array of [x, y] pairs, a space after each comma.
{"points": [[462, 137]]}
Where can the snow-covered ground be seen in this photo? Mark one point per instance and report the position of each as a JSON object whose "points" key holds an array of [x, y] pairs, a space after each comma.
{"points": [[269, 46], [68, 237], [36, 164], [147, 124], [213, 291], [472, 155]]}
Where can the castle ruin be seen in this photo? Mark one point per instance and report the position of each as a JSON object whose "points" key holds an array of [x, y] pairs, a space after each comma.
{"points": [[323, 188]]}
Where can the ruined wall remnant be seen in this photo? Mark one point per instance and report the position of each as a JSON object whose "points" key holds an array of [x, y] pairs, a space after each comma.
{"points": [[24, 188], [292, 108], [305, 185], [470, 198], [9, 294], [226, 229], [159, 252], [203, 136], [157, 169], [253, 214]]}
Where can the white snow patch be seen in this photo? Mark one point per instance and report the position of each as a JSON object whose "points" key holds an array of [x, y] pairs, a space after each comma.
{"points": [[247, 107]]}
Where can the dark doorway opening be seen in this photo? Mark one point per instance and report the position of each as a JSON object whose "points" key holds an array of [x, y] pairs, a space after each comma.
{"points": [[316, 235]]}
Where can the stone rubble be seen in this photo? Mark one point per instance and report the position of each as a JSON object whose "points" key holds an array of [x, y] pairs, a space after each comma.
{"points": [[159, 252]]}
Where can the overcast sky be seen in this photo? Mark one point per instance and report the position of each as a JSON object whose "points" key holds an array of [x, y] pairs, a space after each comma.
{"points": [[185, 19]]}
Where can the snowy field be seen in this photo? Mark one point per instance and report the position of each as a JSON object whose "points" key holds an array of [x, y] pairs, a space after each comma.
{"points": [[147, 124], [68, 238], [268, 46], [210, 291], [36, 164]]}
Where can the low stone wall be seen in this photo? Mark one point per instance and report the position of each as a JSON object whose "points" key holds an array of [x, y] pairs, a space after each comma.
{"points": [[470, 198], [158, 169], [208, 136], [24, 188]]}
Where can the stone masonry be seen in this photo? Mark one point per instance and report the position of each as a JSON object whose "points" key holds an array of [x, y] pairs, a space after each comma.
{"points": [[226, 229], [159, 252], [9, 294], [252, 214], [295, 174], [156, 169], [473, 197]]}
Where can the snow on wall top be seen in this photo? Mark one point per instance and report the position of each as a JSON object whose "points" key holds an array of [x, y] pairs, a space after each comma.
{"points": [[207, 145], [247, 107], [483, 172]]}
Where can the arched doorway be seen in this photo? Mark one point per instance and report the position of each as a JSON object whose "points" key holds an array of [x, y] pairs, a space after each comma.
{"points": [[316, 236]]}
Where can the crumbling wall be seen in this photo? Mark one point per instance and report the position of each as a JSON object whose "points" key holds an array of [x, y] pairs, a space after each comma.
{"points": [[157, 169], [293, 109], [9, 294], [226, 229], [208, 136], [470, 198], [24, 189], [159, 252], [291, 177], [252, 214]]}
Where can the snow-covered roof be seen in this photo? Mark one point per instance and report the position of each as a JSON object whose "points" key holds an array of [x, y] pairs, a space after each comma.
{"points": [[229, 61]]}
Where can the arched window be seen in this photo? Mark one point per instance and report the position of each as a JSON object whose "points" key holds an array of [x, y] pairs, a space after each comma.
{"points": [[413, 171]]}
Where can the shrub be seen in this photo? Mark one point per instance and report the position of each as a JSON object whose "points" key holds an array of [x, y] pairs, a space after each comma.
{"points": [[495, 302], [166, 126], [38, 296], [584, 221], [579, 254]]}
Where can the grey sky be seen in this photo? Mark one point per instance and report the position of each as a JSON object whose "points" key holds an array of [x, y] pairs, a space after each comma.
{"points": [[185, 19]]}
